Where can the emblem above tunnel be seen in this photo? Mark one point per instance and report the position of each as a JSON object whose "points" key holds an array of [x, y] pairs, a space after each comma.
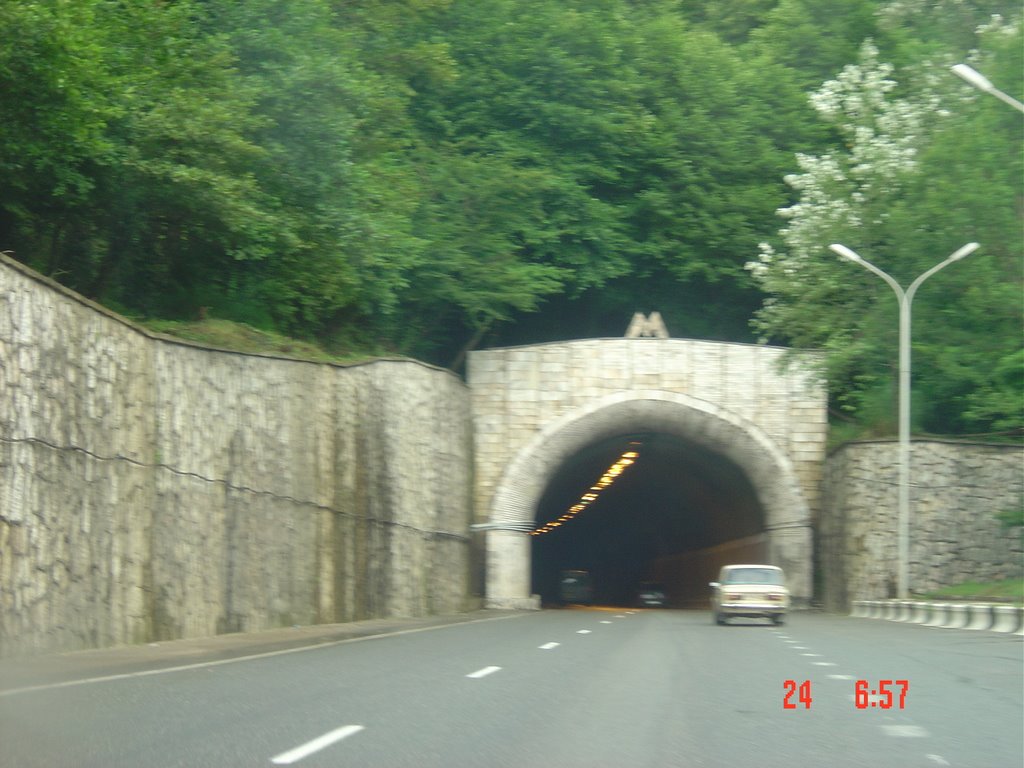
{"points": [[646, 326]]}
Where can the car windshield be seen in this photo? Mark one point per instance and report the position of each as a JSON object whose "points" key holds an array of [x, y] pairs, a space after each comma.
{"points": [[753, 576]]}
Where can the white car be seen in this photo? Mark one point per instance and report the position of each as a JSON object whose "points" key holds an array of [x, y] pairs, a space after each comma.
{"points": [[750, 591]]}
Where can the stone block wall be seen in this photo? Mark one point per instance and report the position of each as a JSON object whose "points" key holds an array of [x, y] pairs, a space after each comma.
{"points": [[957, 489], [152, 489]]}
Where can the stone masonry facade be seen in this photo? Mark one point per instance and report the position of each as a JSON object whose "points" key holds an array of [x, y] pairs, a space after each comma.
{"points": [[152, 489], [957, 490], [517, 391], [534, 406]]}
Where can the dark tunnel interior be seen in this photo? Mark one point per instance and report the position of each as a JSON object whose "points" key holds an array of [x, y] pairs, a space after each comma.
{"points": [[676, 497]]}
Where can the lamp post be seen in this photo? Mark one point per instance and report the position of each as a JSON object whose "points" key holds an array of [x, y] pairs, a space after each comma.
{"points": [[905, 299], [982, 83]]}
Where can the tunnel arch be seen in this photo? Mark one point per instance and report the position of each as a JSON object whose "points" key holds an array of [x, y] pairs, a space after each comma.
{"points": [[767, 467]]}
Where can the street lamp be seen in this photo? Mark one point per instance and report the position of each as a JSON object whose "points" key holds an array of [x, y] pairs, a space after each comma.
{"points": [[905, 299], [982, 83]]}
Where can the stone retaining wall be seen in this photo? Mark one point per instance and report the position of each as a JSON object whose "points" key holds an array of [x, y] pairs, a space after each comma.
{"points": [[957, 489], [152, 489]]}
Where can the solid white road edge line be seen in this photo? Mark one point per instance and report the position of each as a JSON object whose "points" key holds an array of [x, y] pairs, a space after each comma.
{"points": [[483, 672], [294, 755], [250, 657]]}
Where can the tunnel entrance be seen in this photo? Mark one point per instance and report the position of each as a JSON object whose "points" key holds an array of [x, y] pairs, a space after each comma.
{"points": [[675, 498], [711, 487]]}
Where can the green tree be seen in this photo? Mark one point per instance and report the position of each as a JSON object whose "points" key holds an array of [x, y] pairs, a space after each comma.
{"points": [[644, 140], [330, 168], [814, 39], [917, 180], [126, 140]]}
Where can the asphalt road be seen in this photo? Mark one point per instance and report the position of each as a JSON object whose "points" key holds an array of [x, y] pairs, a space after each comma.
{"points": [[562, 688]]}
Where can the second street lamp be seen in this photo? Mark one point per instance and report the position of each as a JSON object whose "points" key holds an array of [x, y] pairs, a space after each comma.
{"points": [[982, 83], [905, 299]]}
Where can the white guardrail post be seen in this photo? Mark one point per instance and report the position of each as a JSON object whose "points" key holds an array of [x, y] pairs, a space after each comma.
{"points": [[958, 616], [922, 611], [981, 616], [906, 610], [1006, 618], [977, 616], [938, 619]]}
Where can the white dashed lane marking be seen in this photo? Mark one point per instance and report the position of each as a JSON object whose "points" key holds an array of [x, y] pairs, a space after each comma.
{"points": [[548, 646], [896, 731], [483, 672], [294, 755], [914, 731], [582, 631]]}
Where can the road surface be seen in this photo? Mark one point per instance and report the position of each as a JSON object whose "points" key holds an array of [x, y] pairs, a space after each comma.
{"points": [[587, 687]]}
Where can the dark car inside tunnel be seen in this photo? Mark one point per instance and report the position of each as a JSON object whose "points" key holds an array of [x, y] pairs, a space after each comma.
{"points": [[675, 500]]}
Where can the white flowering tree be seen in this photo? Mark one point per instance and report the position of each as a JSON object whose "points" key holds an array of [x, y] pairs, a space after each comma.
{"points": [[904, 192]]}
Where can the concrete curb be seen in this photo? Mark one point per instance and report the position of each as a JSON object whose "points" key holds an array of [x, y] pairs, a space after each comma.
{"points": [[992, 617]]}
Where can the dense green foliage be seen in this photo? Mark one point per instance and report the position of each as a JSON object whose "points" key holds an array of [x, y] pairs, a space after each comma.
{"points": [[423, 176]]}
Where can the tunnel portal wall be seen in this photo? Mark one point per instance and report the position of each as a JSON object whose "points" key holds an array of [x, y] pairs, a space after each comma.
{"points": [[534, 407], [151, 489]]}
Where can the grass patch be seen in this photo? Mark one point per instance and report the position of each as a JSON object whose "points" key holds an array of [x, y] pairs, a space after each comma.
{"points": [[1006, 590], [238, 337]]}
